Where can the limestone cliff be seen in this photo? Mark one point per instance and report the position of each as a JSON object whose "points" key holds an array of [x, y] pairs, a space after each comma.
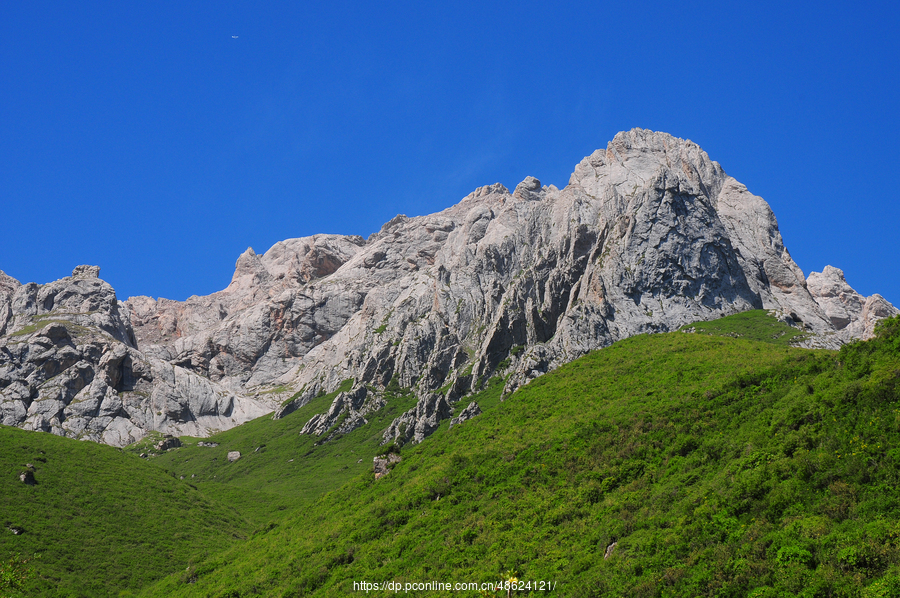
{"points": [[648, 235]]}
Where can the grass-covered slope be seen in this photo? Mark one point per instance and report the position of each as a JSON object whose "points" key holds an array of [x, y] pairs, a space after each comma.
{"points": [[103, 521], [754, 325], [280, 470], [666, 465], [100, 520]]}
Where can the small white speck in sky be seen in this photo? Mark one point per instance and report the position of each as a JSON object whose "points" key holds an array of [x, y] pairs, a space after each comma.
{"points": [[234, 37]]}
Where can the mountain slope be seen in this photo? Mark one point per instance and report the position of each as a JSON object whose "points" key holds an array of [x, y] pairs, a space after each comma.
{"points": [[649, 234], [675, 464], [102, 521]]}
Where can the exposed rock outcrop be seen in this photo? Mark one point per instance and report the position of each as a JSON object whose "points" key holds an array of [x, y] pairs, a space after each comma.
{"points": [[253, 331], [382, 465], [852, 315], [168, 442], [69, 365], [650, 234], [609, 550], [466, 414], [27, 477], [347, 412], [421, 420]]}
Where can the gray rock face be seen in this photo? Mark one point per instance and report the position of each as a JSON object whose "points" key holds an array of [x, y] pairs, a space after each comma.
{"points": [[347, 412], [649, 235], [852, 315], [421, 420], [69, 365], [168, 442], [86, 272], [253, 332]]}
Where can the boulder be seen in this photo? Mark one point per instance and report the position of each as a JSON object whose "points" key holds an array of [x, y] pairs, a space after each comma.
{"points": [[383, 464], [168, 442], [86, 272]]}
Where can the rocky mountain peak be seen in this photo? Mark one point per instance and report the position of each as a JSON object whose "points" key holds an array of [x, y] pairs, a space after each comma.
{"points": [[529, 189], [648, 235], [248, 272], [69, 364], [496, 190], [86, 272]]}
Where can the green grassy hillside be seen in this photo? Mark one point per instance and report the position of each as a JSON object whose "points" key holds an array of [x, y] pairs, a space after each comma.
{"points": [[667, 465], [100, 520], [755, 325], [103, 521], [280, 470]]}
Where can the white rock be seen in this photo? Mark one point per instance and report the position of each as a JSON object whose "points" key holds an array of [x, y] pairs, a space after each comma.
{"points": [[851, 314]]}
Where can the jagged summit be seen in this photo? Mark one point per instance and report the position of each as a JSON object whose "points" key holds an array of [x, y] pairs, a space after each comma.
{"points": [[648, 235]]}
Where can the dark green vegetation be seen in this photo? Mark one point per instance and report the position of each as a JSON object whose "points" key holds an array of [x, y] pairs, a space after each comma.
{"points": [[101, 520], [716, 466]]}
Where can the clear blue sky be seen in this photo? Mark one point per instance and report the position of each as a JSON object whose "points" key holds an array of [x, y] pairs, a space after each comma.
{"points": [[160, 141]]}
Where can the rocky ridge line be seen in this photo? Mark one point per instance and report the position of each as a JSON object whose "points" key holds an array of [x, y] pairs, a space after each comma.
{"points": [[648, 235]]}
